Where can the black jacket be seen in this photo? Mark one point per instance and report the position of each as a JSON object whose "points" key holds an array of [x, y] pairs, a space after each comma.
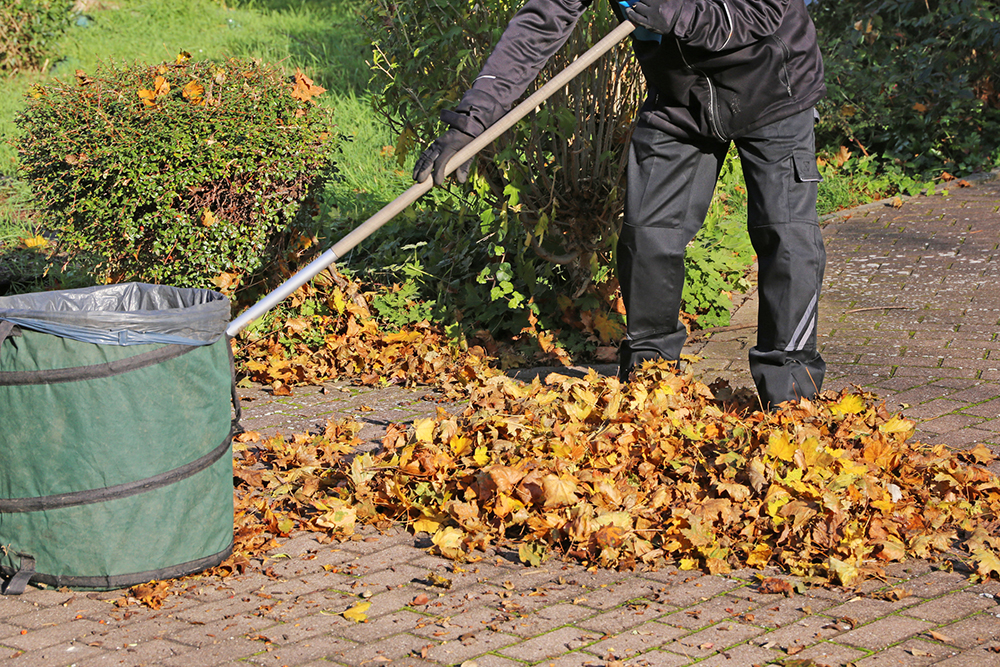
{"points": [[729, 66]]}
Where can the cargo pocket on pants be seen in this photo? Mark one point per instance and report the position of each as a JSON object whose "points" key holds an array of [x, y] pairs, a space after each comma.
{"points": [[806, 169]]}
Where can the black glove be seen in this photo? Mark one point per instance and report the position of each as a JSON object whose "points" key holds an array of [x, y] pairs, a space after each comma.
{"points": [[437, 155], [657, 16]]}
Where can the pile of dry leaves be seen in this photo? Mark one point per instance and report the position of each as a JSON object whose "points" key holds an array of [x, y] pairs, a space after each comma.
{"points": [[326, 331], [636, 475]]}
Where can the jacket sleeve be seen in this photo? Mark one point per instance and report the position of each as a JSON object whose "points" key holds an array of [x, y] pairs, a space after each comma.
{"points": [[717, 25], [534, 34]]}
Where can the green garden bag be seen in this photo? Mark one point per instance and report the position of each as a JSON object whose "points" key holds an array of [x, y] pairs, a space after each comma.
{"points": [[117, 410]]}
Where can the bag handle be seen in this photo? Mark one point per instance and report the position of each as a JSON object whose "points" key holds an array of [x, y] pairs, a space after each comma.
{"points": [[23, 575]]}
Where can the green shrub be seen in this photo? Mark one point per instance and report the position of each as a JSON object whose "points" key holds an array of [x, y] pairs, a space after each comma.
{"points": [[548, 192], [28, 31], [182, 172], [912, 80]]}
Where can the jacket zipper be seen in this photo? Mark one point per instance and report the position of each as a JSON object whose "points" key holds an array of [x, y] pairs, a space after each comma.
{"points": [[712, 118], [784, 65]]}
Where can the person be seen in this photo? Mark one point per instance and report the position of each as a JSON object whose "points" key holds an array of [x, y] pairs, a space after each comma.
{"points": [[717, 72]]}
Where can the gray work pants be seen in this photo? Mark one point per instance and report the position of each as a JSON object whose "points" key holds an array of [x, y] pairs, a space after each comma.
{"points": [[670, 186]]}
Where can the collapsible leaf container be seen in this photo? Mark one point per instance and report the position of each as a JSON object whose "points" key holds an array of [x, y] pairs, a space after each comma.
{"points": [[116, 419]]}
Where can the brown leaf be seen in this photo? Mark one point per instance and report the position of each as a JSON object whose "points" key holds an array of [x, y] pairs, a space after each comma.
{"points": [[305, 89], [893, 595], [843, 155], [151, 594], [194, 92], [773, 585], [148, 97], [609, 536], [559, 490]]}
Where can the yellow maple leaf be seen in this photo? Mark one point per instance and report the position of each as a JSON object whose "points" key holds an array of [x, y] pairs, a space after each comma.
{"points": [[850, 404], [609, 331], [339, 521], [893, 549], [224, 281], [559, 490], [987, 562], [424, 429], [504, 506], [358, 613], [460, 445], [609, 536], [148, 97], [533, 553], [885, 505], [482, 456], [898, 425], [699, 533], [780, 446], [760, 556], [842, 571], [160, 86], [688, 564], [450, 542], [842, 156], [982, 453], [34, 242], [426, 524]]}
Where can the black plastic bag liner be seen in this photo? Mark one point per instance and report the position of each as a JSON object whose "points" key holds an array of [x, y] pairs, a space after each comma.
{"points": [[125, 314], [116, 420]]}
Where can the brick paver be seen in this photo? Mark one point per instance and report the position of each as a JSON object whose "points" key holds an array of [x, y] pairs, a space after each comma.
{"points": [[910, 312]]}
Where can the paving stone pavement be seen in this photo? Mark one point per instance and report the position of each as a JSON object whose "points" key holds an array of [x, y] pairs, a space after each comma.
{"points": [[910, 312]]}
